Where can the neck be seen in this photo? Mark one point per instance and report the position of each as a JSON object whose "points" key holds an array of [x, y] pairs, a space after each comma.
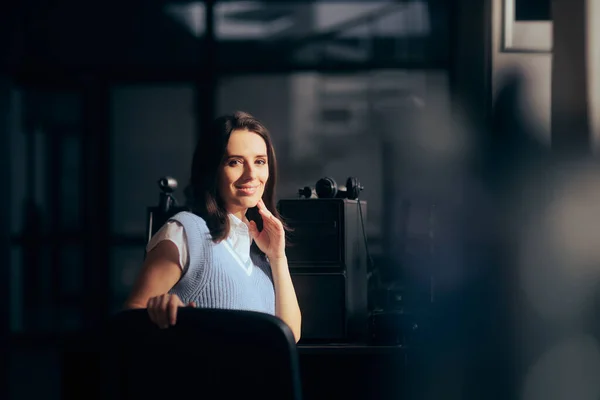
{"points": [[238, 212]]}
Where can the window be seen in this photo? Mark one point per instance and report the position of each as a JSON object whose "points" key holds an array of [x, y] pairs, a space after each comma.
{"points": [[533, 10]]}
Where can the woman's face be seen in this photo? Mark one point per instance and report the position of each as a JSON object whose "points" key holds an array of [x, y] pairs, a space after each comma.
{"points": [[244, 172]]}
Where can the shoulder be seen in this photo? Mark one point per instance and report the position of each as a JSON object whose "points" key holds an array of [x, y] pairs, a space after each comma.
{"points": [[197, 233], [171, 230], [188, 219]]}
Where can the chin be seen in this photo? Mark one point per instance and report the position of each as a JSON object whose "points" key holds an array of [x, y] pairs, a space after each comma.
{"points": [[249, 202], [256, 200]]}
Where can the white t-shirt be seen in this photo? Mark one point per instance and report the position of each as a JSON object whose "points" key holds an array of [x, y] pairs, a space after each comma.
{"points": [[239, 238]]}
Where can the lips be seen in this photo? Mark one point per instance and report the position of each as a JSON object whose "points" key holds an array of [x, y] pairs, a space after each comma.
{"points": [[247, 190]]}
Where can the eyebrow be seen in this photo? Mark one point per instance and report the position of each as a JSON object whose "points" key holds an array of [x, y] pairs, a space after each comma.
{"points": [[238, 156]]}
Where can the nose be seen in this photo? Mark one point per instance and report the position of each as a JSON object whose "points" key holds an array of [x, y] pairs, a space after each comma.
{"points": [[250, 172]]}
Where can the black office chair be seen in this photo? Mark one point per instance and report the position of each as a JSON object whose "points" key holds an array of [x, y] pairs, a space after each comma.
{"points": [[208, 354]]}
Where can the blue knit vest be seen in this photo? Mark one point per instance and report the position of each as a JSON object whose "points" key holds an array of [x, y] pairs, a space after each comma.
{"points": [[217, 278]]}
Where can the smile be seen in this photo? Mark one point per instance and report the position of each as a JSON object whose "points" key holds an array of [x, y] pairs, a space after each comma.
{"points": [[247, 189]]}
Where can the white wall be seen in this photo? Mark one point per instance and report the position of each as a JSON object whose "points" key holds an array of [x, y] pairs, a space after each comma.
{"points": [[537, 69]]}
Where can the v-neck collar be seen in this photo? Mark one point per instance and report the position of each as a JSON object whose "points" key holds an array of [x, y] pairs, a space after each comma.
{"points": [[246, 266]]}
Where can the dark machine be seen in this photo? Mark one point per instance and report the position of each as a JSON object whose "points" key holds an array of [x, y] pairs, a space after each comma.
{"points": [[328, 259]]}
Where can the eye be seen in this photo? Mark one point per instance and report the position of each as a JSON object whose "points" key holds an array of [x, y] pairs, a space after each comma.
{"points": [[234, 162], [261, 162]]}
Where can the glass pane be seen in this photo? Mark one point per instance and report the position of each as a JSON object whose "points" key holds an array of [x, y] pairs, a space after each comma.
{"points": [[72, 272], [71, 317], [163, 39], [533, 10], [71, 180], [126, 264], [339, 125], [40, 313], [31, 279], [257, 20], [16, 290], [116, 37], [190, 16], [35, 115], [153, 134], [384, 33], [18, 160]]}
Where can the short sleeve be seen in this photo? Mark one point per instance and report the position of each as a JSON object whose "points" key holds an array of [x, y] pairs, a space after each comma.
{"points": [[200, 257], [174, 232]]}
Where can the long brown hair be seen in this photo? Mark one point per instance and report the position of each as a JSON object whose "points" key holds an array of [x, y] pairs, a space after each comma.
{"points": [[204, 199]]}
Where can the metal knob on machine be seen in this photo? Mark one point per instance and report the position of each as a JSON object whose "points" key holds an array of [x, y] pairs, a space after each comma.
{"points": [[167, 186]]}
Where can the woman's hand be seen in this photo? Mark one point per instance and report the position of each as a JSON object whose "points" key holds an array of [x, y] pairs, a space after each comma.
{"points": [[271, 240], [163, 309]]}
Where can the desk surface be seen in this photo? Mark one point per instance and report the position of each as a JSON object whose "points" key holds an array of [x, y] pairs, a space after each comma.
{"points": [[345, 348], [25, 340]]}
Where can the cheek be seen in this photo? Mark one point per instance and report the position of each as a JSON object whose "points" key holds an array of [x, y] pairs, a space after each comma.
{"points": [[224, 185], [229, 177], [264, 177]]}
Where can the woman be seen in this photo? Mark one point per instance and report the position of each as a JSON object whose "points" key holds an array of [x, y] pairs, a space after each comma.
{"points": [[229, 250]]}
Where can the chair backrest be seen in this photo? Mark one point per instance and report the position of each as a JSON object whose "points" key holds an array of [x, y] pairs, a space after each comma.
{"points": [[156, 218], [166, 208], [220, 354]]}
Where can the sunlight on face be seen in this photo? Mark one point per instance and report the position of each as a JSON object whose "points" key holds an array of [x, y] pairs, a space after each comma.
{"points": [[244, 172]]}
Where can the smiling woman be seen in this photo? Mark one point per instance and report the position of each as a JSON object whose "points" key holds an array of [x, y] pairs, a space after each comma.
{"points": [[228, 252], [245, 172]]}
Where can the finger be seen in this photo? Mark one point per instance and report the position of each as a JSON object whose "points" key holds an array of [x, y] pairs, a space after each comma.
{"points": [[270, 217], [263, 211], [150, 307], [253, 229], [154, 310], [273, 224], [266, 210], [276, 221], [163, 311], [266, 215], [270, 228], [262, 207], [174, 303], [192, 304]]}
